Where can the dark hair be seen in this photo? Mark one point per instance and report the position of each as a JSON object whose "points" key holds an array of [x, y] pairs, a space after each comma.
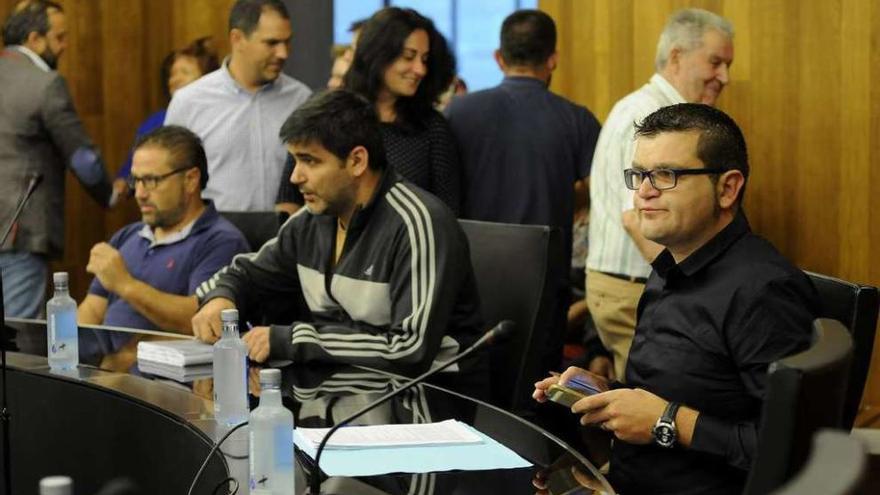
{"points": [[356, 25], [381, 42], [26, 18], [338, 120], [184, 148], [528, 38], [721, 143], [202, 50], [245, 14]]}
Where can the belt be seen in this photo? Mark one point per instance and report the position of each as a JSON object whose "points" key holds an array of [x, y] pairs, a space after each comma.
{"points": [[620, 276]]}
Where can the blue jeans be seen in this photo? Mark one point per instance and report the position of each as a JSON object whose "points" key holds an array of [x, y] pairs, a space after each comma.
{"points": [[24, 284]]}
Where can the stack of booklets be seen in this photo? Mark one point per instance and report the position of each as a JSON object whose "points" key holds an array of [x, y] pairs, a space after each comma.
{"points": [[181, 360]]}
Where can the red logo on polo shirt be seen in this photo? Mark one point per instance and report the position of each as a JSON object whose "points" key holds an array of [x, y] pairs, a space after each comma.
{"points": [[170, 263]]}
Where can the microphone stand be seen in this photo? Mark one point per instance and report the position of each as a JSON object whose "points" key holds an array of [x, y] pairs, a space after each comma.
{"points": [[500, 332], [4, 341]]}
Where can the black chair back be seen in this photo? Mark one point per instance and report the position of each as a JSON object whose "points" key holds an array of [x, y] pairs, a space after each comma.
{"points": [[257, 226], [805, 392], [856, 307], [517, 269], [836, 466]]}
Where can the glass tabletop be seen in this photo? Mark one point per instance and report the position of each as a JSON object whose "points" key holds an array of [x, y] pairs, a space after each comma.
{"points": [[321, 396]]}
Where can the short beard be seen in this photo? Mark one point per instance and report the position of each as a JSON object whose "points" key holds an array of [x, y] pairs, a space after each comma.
{"points": [[50, 58]]}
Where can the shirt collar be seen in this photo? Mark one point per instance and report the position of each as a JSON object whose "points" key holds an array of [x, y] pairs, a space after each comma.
{"points": [[196, 225], [708, 252], [523, 81], [667, 89], [36, 59], [235, 86]]}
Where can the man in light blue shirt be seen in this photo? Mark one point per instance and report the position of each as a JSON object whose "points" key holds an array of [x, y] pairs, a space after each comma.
{"points": [[238, 109]]}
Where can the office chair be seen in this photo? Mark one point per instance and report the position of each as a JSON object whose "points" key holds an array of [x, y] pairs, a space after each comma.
{"points": [[805, 392], [856, 307], [518, 270], [257, 226], [837, 466]]}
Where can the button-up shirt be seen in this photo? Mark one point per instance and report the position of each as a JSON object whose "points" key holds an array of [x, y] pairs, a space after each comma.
{"points": [[239, 130], [708, 328]]}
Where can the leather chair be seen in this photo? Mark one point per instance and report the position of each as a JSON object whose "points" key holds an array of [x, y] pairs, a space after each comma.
{"points": [[518, 269], [856, 307], [837, 466], [257, 226], [805, 392]]}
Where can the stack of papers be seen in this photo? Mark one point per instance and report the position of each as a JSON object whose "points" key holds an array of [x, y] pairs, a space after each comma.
{"points": [[408, 448], [181, 360]]}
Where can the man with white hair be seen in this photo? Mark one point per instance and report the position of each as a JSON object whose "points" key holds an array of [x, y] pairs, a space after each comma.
{"points": [[693, 60]]}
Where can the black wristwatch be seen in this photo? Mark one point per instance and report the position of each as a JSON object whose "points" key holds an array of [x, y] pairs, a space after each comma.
{"points": [[664, 430]]}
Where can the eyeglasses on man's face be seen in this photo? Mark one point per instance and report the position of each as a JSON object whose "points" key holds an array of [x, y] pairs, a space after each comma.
{"points": [[663, 178], [150, 182]]}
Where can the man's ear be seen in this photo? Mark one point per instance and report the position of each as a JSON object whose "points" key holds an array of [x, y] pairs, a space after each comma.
{"points": [[235, 37], [552, 61], [193, 180], [359, 160], [35, 42], [500, 60], [729, 185]]}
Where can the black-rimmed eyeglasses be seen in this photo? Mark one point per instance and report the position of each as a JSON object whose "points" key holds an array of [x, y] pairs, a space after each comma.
{"points": [[663, 178], [150, 182]]}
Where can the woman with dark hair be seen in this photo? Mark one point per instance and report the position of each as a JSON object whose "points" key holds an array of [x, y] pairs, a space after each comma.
{"points": [[178, 69], [403, 64]]}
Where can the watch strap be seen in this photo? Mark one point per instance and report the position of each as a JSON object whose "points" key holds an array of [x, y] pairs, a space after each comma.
{"points": [[670, 412]]}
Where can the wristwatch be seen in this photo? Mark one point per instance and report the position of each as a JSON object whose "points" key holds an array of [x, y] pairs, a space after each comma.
{"points": [[664, 430]]}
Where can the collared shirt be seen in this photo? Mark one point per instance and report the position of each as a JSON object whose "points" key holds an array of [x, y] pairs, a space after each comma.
{"points": [[522, 149], [612, 250], [175, 265], [239, 130], [708, 328], [36, 59]]}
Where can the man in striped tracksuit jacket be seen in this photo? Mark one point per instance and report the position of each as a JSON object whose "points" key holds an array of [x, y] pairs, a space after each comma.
{"points": [[382, 265]]}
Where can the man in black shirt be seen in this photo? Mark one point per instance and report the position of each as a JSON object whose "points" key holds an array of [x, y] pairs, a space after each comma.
{"points": [[720, 305]]}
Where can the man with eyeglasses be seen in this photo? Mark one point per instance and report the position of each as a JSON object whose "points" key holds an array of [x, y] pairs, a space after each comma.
{"points": [[720, 305], [693, 60], [147, 275]]}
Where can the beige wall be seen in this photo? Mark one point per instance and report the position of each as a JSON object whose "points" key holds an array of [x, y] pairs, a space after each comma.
{"points": [[804, 89]]}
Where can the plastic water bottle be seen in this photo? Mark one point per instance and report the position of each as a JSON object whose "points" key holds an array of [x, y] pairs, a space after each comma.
{"points": [[230, 373], [271, 442], [63, 338]]}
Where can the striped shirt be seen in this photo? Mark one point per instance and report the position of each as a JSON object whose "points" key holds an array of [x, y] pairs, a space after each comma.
{"points": [[240, 134], [612, 250]]}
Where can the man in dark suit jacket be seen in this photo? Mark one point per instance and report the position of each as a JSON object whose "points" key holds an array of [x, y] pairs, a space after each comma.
{"points": [[40, 133]]}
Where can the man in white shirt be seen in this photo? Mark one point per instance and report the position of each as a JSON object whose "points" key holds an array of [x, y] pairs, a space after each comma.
{"points": [[693, 60], [238, 109]]}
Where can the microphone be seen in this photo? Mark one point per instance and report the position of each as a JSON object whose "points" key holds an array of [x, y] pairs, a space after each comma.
{"points": [[35, 178], [497, 334]]}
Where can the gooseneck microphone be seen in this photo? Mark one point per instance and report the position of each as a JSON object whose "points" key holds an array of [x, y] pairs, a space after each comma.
{"points": [[34, 181], [499, 333]]}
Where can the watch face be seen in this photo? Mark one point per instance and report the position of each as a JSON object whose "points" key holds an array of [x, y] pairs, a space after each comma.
{"points": [[664, 434]]}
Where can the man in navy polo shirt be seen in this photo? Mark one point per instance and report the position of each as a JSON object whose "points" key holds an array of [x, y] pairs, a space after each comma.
{"points": [[146, 276]]}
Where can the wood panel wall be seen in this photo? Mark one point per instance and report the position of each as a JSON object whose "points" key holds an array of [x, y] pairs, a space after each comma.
{"points": [[804, 91]]}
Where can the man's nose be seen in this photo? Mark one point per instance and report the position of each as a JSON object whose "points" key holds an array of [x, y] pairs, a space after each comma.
{"points": [[724, 73], [297, 177]]}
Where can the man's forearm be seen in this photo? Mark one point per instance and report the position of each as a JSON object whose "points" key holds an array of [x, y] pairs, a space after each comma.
{"points": [[167, 311]]}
